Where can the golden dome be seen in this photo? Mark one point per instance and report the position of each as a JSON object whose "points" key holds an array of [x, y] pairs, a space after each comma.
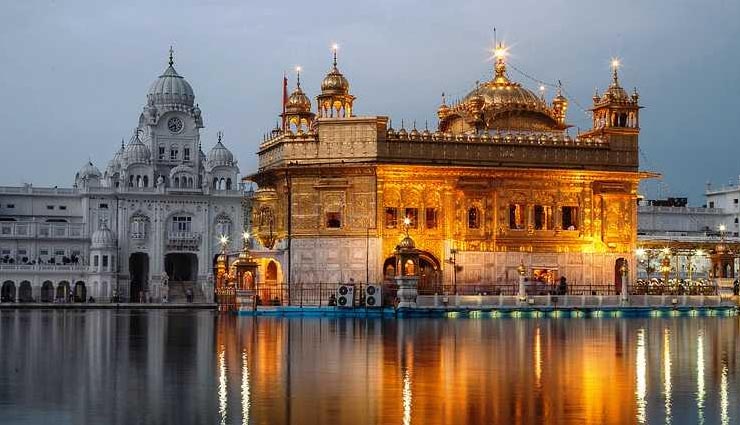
{"points": [[298, 101], [406, 244], [335, 82]]}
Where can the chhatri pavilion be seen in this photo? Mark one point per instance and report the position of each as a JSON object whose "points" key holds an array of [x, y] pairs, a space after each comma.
{"points": [[498, 184]]}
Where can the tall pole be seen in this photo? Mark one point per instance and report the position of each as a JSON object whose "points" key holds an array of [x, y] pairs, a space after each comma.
{"points": [[367, 256]]}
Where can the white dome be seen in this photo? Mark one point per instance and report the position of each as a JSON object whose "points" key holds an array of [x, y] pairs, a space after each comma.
{"points": [[115, 163], [220, 155], [89, 171], [136, 152], [170, 89], [103, 237]]}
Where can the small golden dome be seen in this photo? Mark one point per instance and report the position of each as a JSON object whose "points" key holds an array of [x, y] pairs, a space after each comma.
{"points": [[406, 244], [298, 101], [335, 82]]}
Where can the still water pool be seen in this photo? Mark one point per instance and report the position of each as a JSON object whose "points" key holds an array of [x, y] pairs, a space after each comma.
{"points": [[188, 367]]}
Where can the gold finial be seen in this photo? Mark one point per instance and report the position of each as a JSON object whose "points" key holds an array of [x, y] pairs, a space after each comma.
{"points": [[298, 76], [499, 53], [615, 66], [406, 225], [172, 60], [334, 48]]}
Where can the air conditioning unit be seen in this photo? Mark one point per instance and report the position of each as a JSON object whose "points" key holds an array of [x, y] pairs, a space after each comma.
{"points": [[346, 296], [373, 296]]}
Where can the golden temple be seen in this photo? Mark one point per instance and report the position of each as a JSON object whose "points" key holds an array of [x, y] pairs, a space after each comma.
{"points": [[499, 183]]}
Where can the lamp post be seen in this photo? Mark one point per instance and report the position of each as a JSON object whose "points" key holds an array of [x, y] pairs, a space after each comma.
{"points": [[453, 261]]}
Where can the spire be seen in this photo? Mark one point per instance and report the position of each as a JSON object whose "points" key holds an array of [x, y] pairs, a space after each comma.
{"points": [[334, 48], [444, 101], [615, 66], [298, 76], [220, 135], [499, 53], [172, 60], [122, 143]]}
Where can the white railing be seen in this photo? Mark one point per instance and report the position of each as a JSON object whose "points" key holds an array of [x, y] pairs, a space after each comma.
{"points": [[41, 230], [42, 267]]}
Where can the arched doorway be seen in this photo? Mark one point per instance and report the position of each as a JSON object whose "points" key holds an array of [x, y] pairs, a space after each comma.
{"points": [[269, 293], [430, 275], [138, 267], [62, 290], [47, 292], [181, 267], [25, 293], [7, 292], [618, 274], [80, 293]]}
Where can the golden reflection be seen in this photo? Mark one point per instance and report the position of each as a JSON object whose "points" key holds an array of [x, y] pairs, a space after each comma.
{"points": [[245, 389], [406, 397], [724, 402], [537, 357], [700, 389], [641, 370], [667, 386], [222, 382]]}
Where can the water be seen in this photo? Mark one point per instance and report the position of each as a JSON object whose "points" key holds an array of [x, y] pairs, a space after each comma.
{"points": [[183, 367]]}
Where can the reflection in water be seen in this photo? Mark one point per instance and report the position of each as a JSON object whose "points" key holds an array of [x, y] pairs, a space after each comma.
{"points": [[724, 399], [700, 376], [641, 374], [245, 389], [406, 398], [667, 375], [222, 383], [168, 367]]}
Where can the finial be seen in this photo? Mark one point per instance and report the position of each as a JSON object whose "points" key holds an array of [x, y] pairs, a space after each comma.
{"points": [[334, 48], [615, 67], [121, 142], [298, 76], [444, 101], [560, 88], [414, 124], [402, 126], [172, 52], [220, 135], [426, 125]]}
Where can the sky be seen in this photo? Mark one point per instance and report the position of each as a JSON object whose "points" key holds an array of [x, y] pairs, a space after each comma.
{"points": [[74, 74]]}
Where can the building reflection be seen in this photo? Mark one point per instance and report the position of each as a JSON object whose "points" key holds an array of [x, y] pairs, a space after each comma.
{"points": [[516, 371]]}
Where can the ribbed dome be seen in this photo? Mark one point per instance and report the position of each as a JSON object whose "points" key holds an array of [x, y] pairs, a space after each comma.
{"points": [[170, 89], [89, 171], [407, 243], [298, 101], [115, 163], [220, 155], [136, 152], [511, 94], [334, 83], [103, 237]]}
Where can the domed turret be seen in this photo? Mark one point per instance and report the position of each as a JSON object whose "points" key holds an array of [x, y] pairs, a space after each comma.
{"points": [[115, 163], [219, 155], [89, 171], [298, 115], [335, 101], [103, 237], [136, 152], [171, 88]]}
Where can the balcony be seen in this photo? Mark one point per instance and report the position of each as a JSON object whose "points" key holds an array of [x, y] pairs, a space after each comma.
{"points": [[31, 230], [183, 240]]}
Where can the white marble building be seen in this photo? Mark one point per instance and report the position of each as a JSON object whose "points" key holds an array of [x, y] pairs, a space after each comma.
{"points": [[155, 214]]}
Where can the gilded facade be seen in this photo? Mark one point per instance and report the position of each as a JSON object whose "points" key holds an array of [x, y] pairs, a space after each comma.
{"points": [[500, 182]]}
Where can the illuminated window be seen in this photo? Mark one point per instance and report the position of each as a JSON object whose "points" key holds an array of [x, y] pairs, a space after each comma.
{"points": [[333, 220], [542, 217], [391, 217], [516, 216], [413, 215], [570, 218], [431, 218], [473, 218]]}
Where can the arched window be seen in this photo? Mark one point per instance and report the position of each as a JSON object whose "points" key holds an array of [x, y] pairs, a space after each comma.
{"points": [[473, 218], [146, 181], [177, 182], [228, 184], [223, 225], [215, 183]]}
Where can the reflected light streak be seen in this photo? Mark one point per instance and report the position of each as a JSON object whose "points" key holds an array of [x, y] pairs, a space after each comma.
{"points": [[667, 385], [700, 389], [724, 402], [246, 399], [222, 384], [641, 371], [406, 398], [537, 357]]}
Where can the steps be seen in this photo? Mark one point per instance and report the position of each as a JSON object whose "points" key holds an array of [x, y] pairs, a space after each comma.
{"points": [[178, 292]]}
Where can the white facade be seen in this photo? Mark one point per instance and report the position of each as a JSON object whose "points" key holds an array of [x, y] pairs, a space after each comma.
{"points": [[728, 199], [152, 218]]}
